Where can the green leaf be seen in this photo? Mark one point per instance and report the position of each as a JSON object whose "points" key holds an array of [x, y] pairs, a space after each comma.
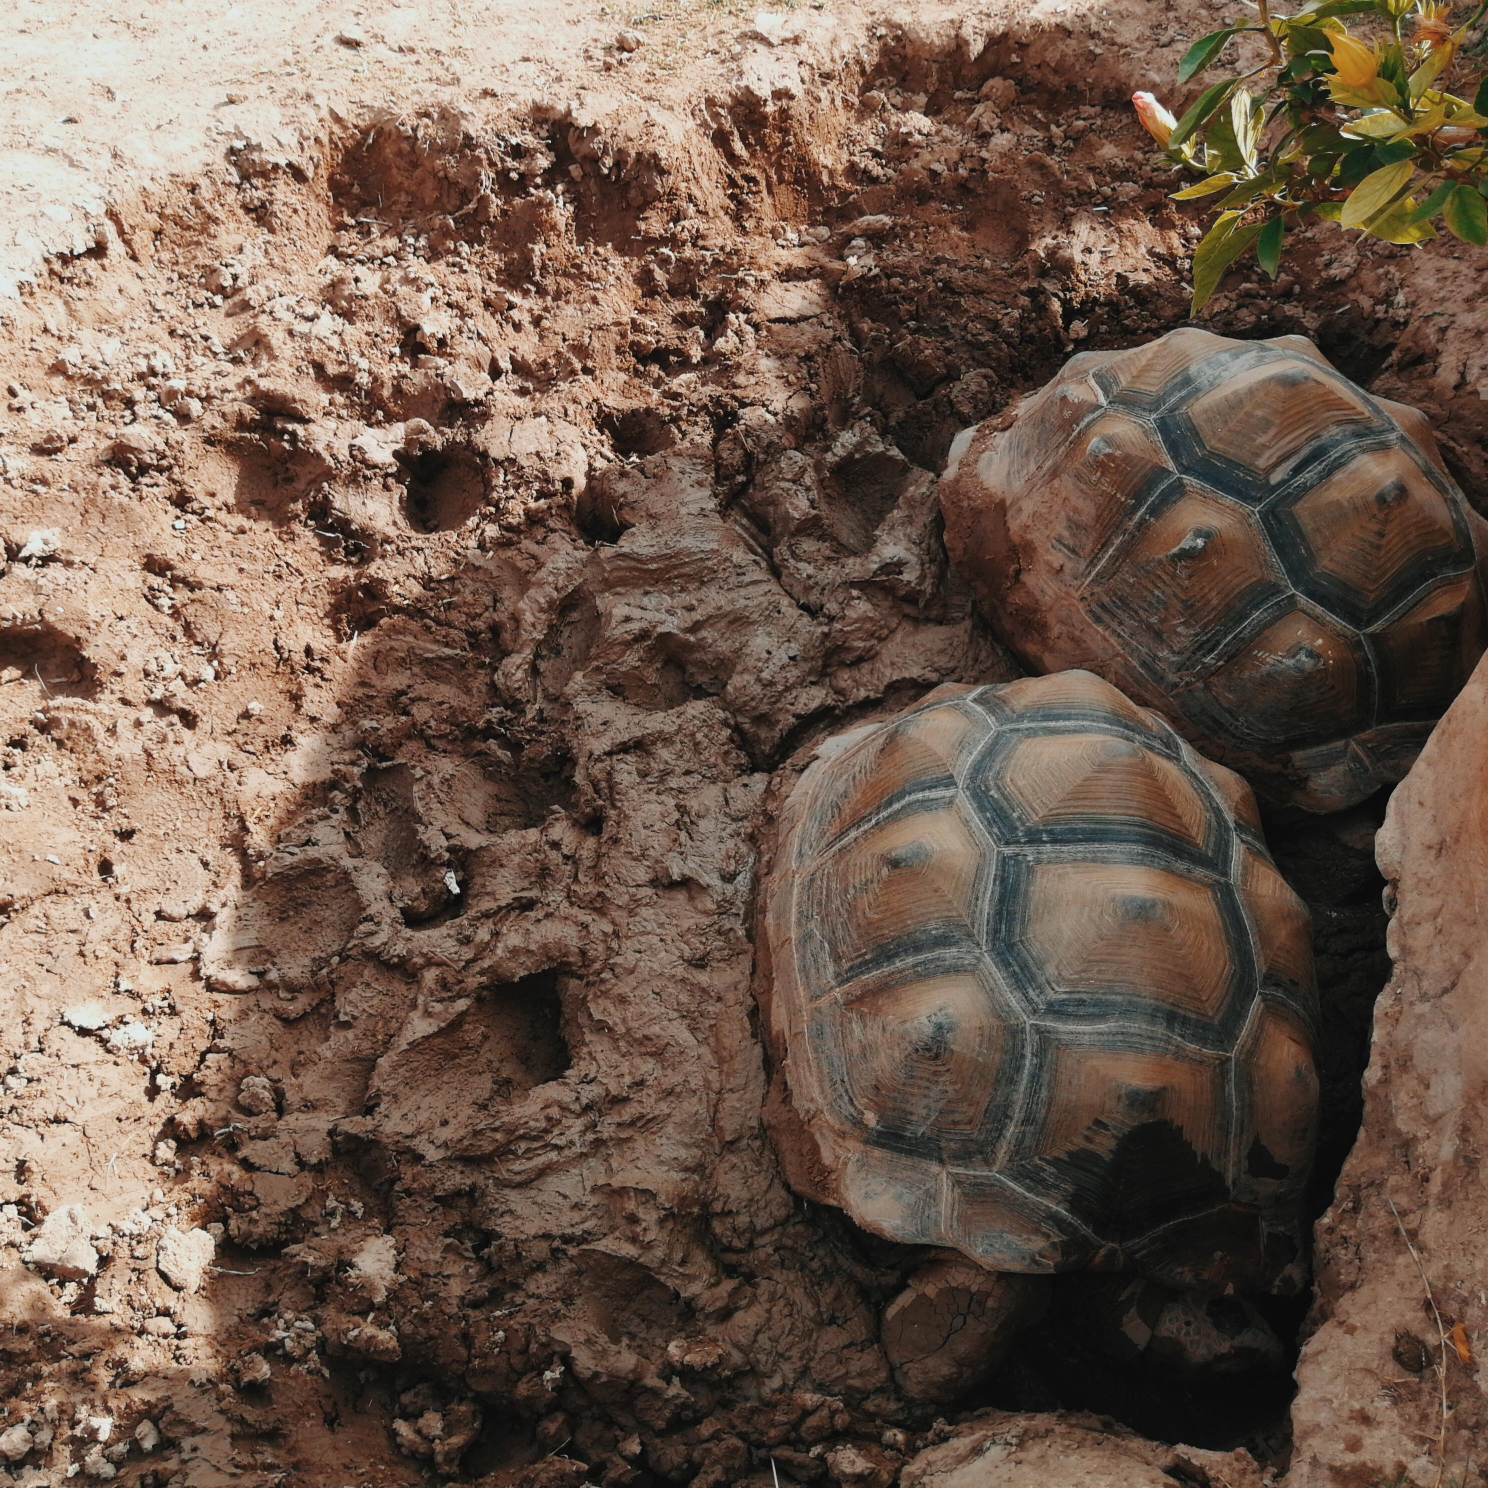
{"points": [[1327, 211], [1480, 103], [1432, 205], [1201, 108], [1220, 182], [1268, 246], [1428, 72], [1397, 226], [1355, 166], [1222, 245], [1337, 8], [1395, 150], [1376, 192], [1381, 125], [1303, 39], [1203, 52], [1221, 145], [1245, 120], [1466, 215]]}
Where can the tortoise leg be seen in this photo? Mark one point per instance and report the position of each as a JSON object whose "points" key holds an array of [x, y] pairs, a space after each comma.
{"points": [[955, 1323]]}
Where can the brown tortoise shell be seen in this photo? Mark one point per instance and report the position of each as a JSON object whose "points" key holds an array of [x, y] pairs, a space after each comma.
{"points": [[1036, 990], [1236, 535]]}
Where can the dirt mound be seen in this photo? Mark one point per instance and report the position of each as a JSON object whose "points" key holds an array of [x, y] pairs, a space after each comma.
{"points": [[430, 552]]}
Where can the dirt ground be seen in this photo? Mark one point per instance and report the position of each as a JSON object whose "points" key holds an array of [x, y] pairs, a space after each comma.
{"points": [[454, 468]]}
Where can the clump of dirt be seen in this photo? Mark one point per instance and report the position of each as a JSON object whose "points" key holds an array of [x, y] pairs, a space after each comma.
{"points": [[428, 559]]}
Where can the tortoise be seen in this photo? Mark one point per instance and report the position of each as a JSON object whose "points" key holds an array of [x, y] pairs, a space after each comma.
{"points": [[1036, 993], [1238, 536]]}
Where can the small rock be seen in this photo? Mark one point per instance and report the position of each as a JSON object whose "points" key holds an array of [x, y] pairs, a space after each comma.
{"points": [[256, 1095], [769, 27], [129, 1037], [182, 1259], [376, 448], [96, 1465], [52, 441], [351, 36], [173, 955], [373, 1342], [86, 1017], [629, 41], [253, 1369], [137, 448], [147, 1434], [63, 1245], [998, 91], [159, 1327], [231, 979], [15, 1443], [42, 543]]}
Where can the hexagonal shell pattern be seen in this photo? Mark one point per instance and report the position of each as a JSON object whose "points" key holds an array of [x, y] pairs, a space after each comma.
{"points": [[1174, 516], [1035, 990]]}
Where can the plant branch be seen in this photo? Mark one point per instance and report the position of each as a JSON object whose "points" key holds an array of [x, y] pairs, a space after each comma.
{"points": [[1263, 6]]}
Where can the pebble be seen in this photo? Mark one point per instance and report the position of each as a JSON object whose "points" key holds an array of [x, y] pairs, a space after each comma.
{"points": [[86, 1017], [15, 1442], [63, 1245], [629, 41], [182, 1259], [256, 1095], [42, 543]]}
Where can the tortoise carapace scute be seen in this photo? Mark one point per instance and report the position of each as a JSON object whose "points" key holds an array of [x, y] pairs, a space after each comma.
{"points": [[1236, 535], [1036, 991]]}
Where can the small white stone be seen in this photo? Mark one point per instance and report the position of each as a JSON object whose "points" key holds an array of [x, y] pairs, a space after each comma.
{"points": [[63, 1245], [42, 543], [129, 1037], [15, 1443], [182, 1259], [86, 1017], [147, 1434]]}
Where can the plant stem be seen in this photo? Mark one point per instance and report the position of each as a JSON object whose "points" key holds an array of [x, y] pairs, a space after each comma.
{"points": [[1276, 57]]}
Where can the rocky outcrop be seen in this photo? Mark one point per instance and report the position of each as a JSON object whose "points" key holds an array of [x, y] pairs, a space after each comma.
{"points": [[1391, 1383]]}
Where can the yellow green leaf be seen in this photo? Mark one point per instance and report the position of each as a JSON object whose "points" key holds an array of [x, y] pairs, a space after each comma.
{"points": [[1375, 192], [1222, 245], [1397, 224], [1431, 69], [1466, 215], [1205, 188], [1383, 125]]}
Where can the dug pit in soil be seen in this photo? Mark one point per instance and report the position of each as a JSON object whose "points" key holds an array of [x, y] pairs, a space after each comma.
{"points": [[465, 527]]}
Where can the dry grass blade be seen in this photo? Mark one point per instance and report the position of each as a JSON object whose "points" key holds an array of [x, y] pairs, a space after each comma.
{"points": [[1442, 1337]]}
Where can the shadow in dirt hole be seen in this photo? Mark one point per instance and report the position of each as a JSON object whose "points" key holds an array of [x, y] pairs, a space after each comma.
{"points": [[444, 489]]}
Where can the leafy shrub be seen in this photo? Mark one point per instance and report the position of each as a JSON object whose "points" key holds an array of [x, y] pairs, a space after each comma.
{"points": [[1357, 129]]}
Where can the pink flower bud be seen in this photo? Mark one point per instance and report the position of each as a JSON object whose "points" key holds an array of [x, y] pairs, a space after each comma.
{"points": [[1156, 120]]}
